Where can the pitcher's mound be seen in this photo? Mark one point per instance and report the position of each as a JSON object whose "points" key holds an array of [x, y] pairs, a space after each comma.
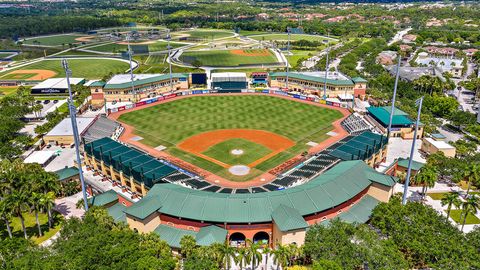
{"points": [[237, 152], [239, 170]]}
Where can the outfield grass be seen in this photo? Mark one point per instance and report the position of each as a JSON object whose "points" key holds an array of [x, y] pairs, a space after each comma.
{"points": [[293, 37], [116, 48], [298, 54], [18, 76], [225, 58], [456, 215], [31, 225], [82, 68], [54, 40], [172, 122], [205, 34], [223, 151]]}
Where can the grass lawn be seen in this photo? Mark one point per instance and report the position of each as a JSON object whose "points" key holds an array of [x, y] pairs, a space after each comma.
{"points": [[293, 37], [116, 48], [82, 68], [223, 151], [77, 53], [464, 185], [225, 58], [456, 215], [249, 33], [172, 122], [437, 196], [156, 64], [57, 40], [31, 225], [298, 54], [6, 91]]}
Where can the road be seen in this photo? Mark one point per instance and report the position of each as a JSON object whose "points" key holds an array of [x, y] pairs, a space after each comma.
{"points": [[399, 35]]}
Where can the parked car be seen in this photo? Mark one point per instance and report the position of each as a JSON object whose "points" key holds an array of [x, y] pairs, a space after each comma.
{"points": [[55, 101], [46, 101]]}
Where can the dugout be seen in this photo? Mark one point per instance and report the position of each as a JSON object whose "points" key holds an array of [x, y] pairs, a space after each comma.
{"points": [[229, 82]]}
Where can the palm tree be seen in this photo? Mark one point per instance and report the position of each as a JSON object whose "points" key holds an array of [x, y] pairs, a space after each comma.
{"points": [[472, 174], [5, 214], [18, 201], [35, 202], [451, 199], [228, 253], [253, 254], [470, 206], [48, 202], [266, 251], [426, 177], [281, 256], [242, 256]]}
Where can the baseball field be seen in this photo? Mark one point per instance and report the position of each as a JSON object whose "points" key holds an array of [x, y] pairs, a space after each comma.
{"points": [[230, 58], [57, 40], [203, 34], [293, 37], [153, 46], [218, 133], [89, 68]]}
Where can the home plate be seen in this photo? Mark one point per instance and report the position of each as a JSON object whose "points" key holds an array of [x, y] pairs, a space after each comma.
{"points": [[331, 133], [136, 138], [160, 148], [312, 144]]}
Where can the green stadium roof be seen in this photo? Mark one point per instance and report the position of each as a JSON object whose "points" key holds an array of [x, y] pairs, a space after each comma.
{"points": [[144, 81], [142, 167], [359, 80], [361, 211], [382, 115], [204, 237], [66, 173], [104, 198], [330, 189], [416, 166], [97, 84], [310, 78], [211, 234], [360, 147], [117, 212], [288, 219], [173, 235]]}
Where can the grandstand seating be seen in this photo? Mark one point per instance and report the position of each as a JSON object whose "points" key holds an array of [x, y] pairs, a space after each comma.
{"points": [[196, 184], [102, 127], [354, 124], [177, 176]]}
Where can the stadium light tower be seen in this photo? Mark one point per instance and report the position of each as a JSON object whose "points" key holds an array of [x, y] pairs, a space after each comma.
{"points": [[326, 74], [169, 59], [72, 110], [418, 102], [288, 51], [393, 98], [130, 53]]}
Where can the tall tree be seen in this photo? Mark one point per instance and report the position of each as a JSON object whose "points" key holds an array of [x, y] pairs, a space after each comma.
{"points": [[35, 202], [281, 256], [451, 199], [426, 177], [187, 245], [241, 257], [18, 201], [472, 174], [254, 255], [470, 207], [6, 214]]}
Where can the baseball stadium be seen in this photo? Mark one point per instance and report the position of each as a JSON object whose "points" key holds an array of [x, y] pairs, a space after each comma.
{"points": [[257, 166]]}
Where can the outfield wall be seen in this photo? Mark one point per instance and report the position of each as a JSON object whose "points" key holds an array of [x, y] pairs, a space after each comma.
{"points": [[201, 92]]}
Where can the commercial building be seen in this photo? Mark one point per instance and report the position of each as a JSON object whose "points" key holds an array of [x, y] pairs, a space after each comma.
{"points": [[55, 86], [402, 125], [444, 62], [41, 157], [62, 133], [226, 82], [314, 82], [432, 145], [120, 87]]}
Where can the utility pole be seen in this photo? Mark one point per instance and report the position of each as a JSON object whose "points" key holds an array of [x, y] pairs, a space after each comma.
{"points": [[418, 102], [76, 138], [393, 98], [170, 59], [326, 74], [131, 67]]}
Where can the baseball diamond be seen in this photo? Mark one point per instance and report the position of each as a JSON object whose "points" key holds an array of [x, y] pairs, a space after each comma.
{"points": [[203, 130]]}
